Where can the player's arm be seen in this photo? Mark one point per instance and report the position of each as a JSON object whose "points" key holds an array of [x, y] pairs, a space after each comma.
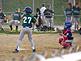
{"points": [[65, 12], [22, 15], [61, 34], [4, 15], [45, 12], [12, 15], [51, 11], [34, 21]]}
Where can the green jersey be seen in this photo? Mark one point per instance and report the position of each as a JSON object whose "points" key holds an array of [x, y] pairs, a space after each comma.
{"points": [[28, 19], [17, 16], [76, 11]]}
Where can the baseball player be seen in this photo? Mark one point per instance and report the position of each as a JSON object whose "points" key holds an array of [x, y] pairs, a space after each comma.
{"points": [[28, 19], [42, 9], [68, 14], [39, 21], [66, 39], [2, 17], [76, 15], [48, 16], [16, 19]]}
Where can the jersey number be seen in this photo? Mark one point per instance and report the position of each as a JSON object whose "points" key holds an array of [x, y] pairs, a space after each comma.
{"points": [[27, 18]]}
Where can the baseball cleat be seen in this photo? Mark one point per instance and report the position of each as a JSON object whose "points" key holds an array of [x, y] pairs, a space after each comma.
{"points": [[16, 51], [34, 50]]}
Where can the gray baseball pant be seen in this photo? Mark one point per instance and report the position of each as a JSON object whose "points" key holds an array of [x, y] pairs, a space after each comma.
{"points": [[21, 35]]}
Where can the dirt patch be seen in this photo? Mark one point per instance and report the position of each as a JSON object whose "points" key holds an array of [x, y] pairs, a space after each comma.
{"points": [[43, 42]]}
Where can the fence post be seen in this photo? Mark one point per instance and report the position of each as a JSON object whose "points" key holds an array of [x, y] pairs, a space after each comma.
{"points": [[0, 3], [33, 6]]}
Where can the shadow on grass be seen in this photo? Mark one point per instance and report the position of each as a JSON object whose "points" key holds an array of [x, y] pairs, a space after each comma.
{"points": [[34, 32]]}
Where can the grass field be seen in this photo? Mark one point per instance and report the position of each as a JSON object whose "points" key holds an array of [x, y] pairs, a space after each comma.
{"points": [[44, 42]]}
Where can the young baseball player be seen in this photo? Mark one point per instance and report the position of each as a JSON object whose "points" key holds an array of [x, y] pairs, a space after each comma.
{"points": [[48, 13], [68, 12], [68, 15], [16, 19], [66, 38], [28, 19], [2, 17], [42, 9], [76, 15], [39, 24]]}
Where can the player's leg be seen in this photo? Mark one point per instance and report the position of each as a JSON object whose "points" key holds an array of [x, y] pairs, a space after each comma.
{"points": [[76, 23], [39, 23], [31, 39], [47, 23], [44, 20], [1, 23], [16, 28], [10, 24], [66, 45], [51, 23], [19, 41], [61, 39], [16, 24], [11, 27]]}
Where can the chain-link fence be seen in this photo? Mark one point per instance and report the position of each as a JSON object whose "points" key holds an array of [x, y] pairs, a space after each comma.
{"points": [[58, 6]]}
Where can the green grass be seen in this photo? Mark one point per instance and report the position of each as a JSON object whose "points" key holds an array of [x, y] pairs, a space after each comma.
{"points": [[34, 32]]}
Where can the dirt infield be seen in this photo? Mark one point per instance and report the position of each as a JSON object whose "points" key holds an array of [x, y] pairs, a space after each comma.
{"points": [[43, 42]]}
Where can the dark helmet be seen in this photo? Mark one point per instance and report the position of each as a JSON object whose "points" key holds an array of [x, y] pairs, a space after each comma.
{"points": [[28, 10], [68, 24]]}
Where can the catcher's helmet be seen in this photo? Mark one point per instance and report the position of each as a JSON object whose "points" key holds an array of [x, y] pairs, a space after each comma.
{"points": [[28, 10]]}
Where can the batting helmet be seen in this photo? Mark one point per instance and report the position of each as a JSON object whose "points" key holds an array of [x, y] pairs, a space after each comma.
{"points": [[28, 10]]}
